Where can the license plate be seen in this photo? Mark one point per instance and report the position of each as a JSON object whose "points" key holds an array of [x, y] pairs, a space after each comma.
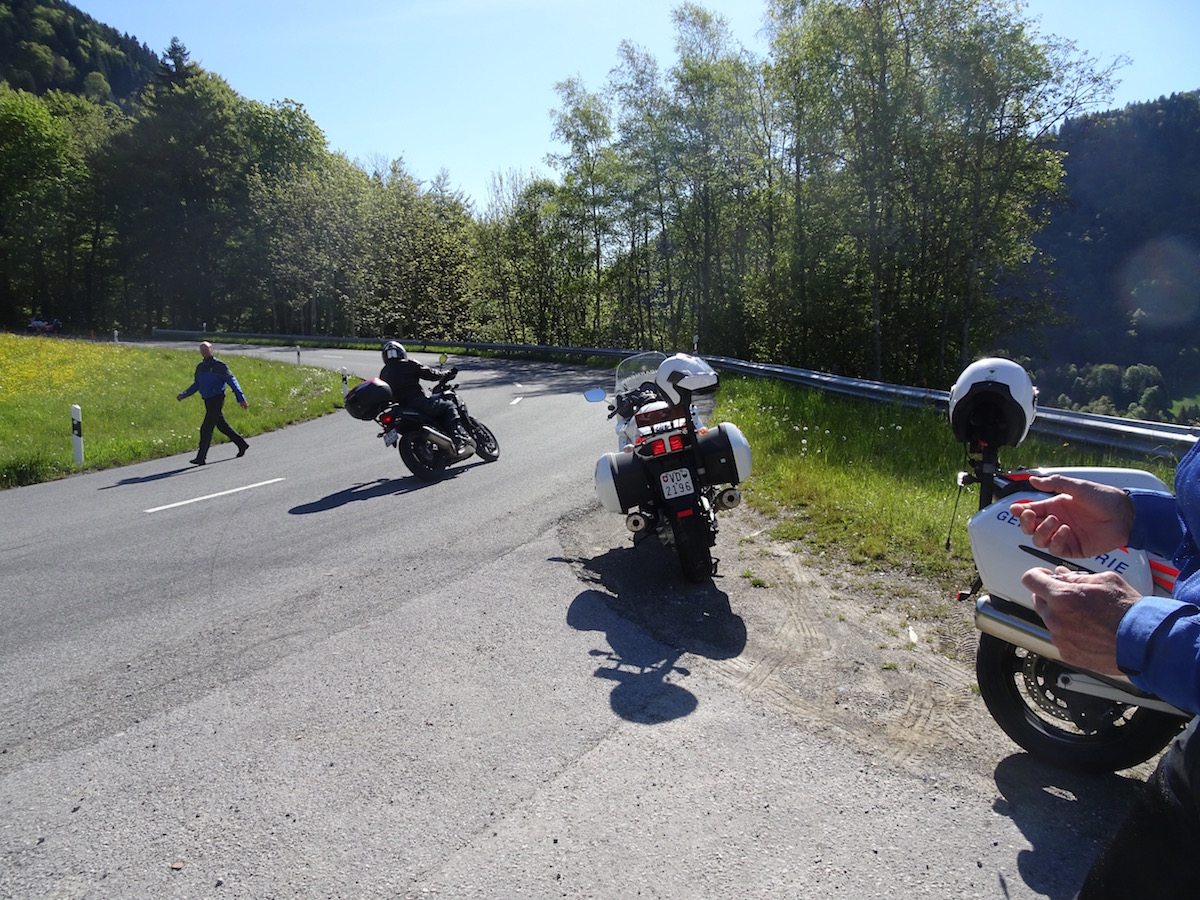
{"points": [[676, 483]]}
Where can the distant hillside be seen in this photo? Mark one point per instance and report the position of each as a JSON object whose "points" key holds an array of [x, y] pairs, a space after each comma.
{"points": [[49, 44], [1126, 246]]}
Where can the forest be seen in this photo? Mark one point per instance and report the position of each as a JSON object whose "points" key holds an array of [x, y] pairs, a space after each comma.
{"points": [[898, 188]]}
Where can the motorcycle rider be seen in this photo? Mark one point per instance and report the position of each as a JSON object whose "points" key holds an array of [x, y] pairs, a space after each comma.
{"points": [[404, 376]]}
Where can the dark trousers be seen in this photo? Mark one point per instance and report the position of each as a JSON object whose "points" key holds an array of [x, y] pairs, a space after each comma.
{"points": [[441, 411], [214, 417], [1153, 853]]}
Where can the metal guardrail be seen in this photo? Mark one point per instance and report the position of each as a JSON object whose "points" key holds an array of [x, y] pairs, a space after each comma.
{"points": [[1108, 432], [1112, 432]]}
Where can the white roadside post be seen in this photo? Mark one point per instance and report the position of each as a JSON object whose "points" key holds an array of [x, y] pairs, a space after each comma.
{"points": [[77, 431], [297, 356], [345, 386]]}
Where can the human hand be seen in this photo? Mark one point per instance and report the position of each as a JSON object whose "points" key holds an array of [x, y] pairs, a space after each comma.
{"points": [[243, 404], [1082, 519], [1082, 610], [179, 396]]}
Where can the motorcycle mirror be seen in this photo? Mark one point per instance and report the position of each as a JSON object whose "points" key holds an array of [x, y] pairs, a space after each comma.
{"points": [[594, 395], [442, 359]]}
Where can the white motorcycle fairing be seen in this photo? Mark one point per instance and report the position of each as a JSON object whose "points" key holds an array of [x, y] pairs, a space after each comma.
{"points": [[1003, 553]]}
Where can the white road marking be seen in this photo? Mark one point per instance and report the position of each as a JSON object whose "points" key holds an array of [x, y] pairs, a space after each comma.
{"points": [[516, 400], [210, 496]]}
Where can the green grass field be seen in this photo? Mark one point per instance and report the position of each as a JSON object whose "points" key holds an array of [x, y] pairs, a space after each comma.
{"points": [[127, 397]]}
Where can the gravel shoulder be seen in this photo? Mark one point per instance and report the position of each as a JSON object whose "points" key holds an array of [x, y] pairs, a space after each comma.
{"points": [[835, 650]]}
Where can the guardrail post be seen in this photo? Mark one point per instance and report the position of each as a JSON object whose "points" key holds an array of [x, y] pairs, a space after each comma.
{"points": [[77, 431]]}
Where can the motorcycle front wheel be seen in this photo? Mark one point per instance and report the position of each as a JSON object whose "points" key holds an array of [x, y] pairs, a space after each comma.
{"points": [[424, 458], [692, 546], [486, 445], [1065, 728]]}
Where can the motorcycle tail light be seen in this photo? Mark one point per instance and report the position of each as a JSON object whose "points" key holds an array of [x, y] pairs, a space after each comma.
{"points": [[671, 444], [386, 420]]}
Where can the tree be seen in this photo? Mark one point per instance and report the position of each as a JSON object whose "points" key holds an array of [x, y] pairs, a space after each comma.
{"points": [[34, 186]]}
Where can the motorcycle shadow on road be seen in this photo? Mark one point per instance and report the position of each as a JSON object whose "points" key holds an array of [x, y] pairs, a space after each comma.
{"points": [[384, 487], [1066, 816], [650, 618]]}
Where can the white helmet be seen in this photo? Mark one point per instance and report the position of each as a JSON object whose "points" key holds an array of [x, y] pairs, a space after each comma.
{"points": [[992, 403], [394, 350], [681, 373]]}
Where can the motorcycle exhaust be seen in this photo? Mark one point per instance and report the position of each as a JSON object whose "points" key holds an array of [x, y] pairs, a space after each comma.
{"points": [[637, 522], [440, 439], [730, 498], [1014, 630]]}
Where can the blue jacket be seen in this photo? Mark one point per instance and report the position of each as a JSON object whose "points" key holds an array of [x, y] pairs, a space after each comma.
{"points": [[211, 377], [1158, 641]]}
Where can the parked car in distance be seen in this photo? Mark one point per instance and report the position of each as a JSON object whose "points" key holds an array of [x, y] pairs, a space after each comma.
{"points": [[43, 326]]}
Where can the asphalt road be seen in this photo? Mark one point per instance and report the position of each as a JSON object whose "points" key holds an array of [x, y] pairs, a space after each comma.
{"points": [[304, 673]]}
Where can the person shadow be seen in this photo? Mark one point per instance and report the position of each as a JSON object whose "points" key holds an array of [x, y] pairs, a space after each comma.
{"points": [[650, 619], [147, 479], [1067, 817]]}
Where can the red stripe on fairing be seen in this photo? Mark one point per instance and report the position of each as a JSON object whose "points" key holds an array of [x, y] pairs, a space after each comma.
{"points": [[1164, 576]]}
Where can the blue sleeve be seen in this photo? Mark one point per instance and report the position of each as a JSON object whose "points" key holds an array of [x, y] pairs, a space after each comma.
{"points": [[1156, 525], [233, 383], [191, 390], [1158, 646]]}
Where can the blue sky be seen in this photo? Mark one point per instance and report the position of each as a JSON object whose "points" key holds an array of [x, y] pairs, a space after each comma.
{"points": [[468, 85]]}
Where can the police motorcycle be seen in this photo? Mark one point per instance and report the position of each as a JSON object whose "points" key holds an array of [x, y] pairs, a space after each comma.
{"points": [[1058, 713], [424, 448], [671, 473]]}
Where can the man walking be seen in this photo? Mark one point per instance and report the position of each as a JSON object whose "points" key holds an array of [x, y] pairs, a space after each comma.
{"points": [[211, 377]]}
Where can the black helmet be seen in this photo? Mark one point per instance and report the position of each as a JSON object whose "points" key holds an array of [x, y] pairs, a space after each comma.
{"points": [[394, 350]]}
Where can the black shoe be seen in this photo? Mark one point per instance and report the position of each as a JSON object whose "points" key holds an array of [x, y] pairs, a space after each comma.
{"points": [[197, 462], [242, 450], [464, 444]]}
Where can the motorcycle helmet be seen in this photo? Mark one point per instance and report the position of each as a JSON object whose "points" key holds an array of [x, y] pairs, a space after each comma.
{"points": [[394, 350], [992, 403], [681, 374]]}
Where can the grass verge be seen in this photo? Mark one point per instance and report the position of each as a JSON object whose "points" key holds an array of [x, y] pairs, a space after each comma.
{"points": [[873, 484], [127, 397]]}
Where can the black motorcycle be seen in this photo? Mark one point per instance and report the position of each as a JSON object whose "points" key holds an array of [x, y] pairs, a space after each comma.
{"points": [[426, 450]]}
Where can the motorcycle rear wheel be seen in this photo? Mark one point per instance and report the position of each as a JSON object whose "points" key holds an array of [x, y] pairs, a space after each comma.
{"points": [[1061, 727], [424, 458], [487, 447], [692, 546]]}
